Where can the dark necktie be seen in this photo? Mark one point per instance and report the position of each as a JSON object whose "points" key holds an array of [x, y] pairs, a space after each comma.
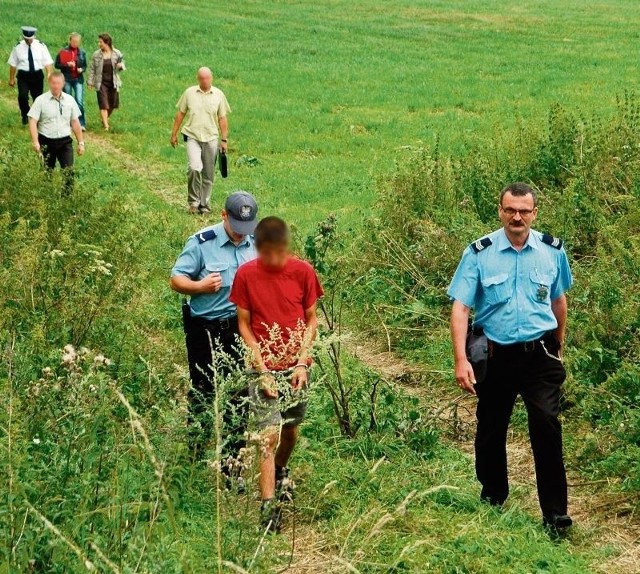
{"points": [[32, 66]]}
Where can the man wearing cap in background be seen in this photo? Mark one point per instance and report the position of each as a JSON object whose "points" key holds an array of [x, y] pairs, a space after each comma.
{"points": [[205, 109], [205, 271], [27, 61]]}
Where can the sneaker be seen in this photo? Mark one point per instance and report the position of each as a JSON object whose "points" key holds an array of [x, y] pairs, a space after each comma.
{"points": [[232, 470], [285, 487], [193, 210], [241, 486], [271, 515]]}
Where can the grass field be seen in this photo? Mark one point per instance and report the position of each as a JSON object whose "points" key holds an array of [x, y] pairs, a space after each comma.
{"points": [[327, 95]]}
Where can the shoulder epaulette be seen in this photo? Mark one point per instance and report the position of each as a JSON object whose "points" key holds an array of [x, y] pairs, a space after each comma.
{"points": [[481, 244], [552, 241], [206, 235]]}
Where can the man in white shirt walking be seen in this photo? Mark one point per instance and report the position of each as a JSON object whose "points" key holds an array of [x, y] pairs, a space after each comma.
{"points": [[28, 61], [52, 118]]}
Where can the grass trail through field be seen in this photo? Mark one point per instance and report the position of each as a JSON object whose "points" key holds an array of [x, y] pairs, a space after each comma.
{"points": [[595, 511], [326, 96]]}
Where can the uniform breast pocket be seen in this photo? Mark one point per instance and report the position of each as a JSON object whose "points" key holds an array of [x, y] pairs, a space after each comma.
{"points": [[540, 286], [496, 289], [223, 270]]}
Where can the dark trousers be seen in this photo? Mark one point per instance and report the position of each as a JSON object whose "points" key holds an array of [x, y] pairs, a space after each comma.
{"points": [[537, 375], [29, 83], [212, 349], [59, 150]]}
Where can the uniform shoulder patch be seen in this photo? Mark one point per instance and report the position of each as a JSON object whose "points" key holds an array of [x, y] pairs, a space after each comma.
{"points": [[552, 241], [204, 236], [481, 244]]}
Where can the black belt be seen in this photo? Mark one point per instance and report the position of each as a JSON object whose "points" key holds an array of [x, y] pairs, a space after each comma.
{"points": [[524, 347], [216, 324], [54, 140]]}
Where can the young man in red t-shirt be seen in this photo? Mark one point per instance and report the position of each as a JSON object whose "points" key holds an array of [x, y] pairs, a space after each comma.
{"points": [[276, 297]]}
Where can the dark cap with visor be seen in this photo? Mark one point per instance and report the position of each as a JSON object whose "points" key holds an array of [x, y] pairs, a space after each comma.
{"points": [[28, 32], [242, 211]]}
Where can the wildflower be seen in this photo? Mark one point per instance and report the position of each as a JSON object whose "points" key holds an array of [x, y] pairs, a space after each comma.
{"points": [[69, 355], [36, 440], [102, 361], [47, 372]]}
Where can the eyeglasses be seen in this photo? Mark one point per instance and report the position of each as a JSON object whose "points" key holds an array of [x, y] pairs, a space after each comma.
{"points": [[510, 211]]}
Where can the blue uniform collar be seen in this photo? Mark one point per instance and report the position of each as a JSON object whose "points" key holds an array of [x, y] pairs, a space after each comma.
{"points": [[222, 238], [503, 243]]}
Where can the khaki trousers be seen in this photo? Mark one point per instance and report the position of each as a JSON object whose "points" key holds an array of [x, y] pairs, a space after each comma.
{"points": [[202, 162]]}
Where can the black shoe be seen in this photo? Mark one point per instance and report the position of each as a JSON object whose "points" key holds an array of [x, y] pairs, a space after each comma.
{"points": [[557, 523], [271, 515], [492, 501], [285, 487]]}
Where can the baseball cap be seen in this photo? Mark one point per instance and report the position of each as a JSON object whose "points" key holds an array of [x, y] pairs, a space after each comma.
{"points": [[242, 211]]}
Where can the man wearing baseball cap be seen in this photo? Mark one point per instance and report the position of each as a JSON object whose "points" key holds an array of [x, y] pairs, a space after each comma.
{"points": [[205, 271], [28, 61]]}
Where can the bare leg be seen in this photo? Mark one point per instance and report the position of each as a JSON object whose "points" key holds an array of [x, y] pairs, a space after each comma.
{"points": [[266, 447], [104, 115], [288, 440]]}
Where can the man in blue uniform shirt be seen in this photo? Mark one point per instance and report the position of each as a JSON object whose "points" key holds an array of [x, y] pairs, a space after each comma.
{"points": [[515, 279], [205, 271]]}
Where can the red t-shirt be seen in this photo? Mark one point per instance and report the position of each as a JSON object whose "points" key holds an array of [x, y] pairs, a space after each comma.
{"points": [[277, 300]]}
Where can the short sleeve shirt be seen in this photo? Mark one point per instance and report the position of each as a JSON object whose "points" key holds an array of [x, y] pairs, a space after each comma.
{"points": [[54, 115], [19, 57], [203, 112], [218, 255], [277, 300], [511, 291]]}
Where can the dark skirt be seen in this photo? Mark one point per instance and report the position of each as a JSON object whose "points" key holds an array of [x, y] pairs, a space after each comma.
{"points": [[108, 96]]}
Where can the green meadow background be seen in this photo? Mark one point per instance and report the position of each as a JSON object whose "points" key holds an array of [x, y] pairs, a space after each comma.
{"points": [[328, 94], [327, 98]]}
